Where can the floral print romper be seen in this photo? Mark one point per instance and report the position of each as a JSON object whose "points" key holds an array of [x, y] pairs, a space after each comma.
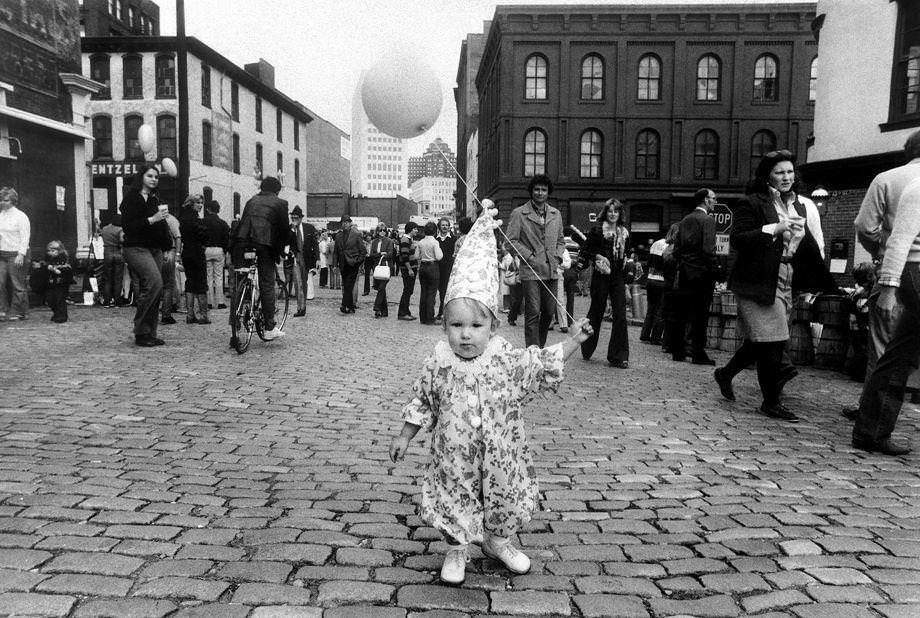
{"points": [[480, 474]]}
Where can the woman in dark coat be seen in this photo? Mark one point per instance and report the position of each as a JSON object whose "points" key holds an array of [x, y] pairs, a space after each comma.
{"points": [[146, 238], [771, 236], [606, 247], [194, 238]]}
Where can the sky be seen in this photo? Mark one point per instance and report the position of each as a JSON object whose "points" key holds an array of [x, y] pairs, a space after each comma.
{"points": [[320, 47]]}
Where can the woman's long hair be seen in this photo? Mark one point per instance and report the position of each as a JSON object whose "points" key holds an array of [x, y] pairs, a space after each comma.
{"points": [[761, 179], [602, 217], [191, 199]]}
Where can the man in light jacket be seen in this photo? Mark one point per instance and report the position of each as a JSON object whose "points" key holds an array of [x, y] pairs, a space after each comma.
{"points": [[535, 232]]}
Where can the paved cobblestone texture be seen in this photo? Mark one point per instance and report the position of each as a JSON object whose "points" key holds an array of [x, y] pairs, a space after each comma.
{"points": [[190, 481]]}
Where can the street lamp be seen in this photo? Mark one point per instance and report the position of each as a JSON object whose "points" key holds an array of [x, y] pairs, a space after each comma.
{"points": [[819, 197]]}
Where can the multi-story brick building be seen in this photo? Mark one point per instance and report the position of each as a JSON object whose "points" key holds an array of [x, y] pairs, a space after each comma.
{"points": [[43, 132], [438, 160], [240, 127], [119, 18], [867, 104], [467, 103], [646, 104]]}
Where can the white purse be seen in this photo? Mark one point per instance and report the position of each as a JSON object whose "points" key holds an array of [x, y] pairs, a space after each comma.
{"points": [[381, 271]]}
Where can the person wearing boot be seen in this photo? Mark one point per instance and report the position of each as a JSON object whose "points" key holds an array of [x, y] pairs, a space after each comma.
{"points": [[194, 238]]}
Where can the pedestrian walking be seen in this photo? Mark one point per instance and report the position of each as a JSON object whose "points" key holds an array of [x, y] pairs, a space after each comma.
{"points": [[447, 241], [535, 232], [215, 251], [480, 485], [194, 238], [15, 234], [147, 237], [381, 253], [408, 269], [429, 254], [349, 255], [113, 261], [173, 275], [606, 248], [305, 247]]}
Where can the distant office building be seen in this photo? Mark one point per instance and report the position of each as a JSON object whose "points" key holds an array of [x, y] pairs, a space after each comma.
{"points": [[378, 161], [432, 162], [241, 129], [434, 195], [325, 210], [644, 104], [43, 129], [119, 18], [466, 100]]}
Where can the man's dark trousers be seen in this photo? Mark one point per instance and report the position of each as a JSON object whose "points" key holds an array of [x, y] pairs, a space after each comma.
{"points": [[349, 278], [539, 309], [406, 298], [694, 299], [883, 393]]}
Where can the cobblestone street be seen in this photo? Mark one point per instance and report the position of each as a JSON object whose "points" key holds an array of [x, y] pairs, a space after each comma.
{"points": [[190, 481]]}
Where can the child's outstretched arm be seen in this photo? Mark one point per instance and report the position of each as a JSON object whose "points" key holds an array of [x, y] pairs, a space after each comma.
{"points": [[581, 330], [400, 443]]}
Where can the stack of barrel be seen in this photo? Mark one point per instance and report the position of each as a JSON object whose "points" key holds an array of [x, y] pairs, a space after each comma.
{"points": [[831, 311], [714, 326], [730, 340], [801, 347]]}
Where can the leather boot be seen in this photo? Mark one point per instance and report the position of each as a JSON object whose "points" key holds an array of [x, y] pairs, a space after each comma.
{"points": [[202, 308]]}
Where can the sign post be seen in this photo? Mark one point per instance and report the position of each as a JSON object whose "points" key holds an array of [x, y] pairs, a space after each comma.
{"points": [[723, 217]]}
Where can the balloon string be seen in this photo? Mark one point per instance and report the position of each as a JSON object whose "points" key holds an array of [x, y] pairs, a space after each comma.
{"points": [[509, 243]]}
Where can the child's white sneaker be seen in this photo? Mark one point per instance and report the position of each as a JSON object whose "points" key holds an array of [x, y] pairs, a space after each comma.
{"points": [[500, 548], [453, 571]]}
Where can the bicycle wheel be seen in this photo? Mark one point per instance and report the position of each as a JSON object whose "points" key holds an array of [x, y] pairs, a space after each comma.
{"points": [[241, 323], [282, 303]]}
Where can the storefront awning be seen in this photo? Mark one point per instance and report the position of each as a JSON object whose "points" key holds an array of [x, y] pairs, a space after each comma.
{"points": [[48, 123]]}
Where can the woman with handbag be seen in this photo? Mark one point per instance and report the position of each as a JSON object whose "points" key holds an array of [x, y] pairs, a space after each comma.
{"points": [[606, 248], [381, 254]]}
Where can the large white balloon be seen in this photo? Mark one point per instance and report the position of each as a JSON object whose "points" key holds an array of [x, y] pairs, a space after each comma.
{"points": [[169, 166], [145, 138], [401, 94]]}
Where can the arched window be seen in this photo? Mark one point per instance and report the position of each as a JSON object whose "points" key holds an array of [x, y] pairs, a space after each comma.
{"points": [[763, 142], [592, 78], [708, 78], [649, 78], [102, 137], [813, 81], [165, 72], [647, 153], [132, 77], [166, 136], [206, 157], [592, 146], [132, 147], [706, 155], [534, 152], [99, 71], [535, 77], [766, 79]]}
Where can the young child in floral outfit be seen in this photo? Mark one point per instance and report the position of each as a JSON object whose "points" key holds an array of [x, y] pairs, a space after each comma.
{"points": [[480, 485]]}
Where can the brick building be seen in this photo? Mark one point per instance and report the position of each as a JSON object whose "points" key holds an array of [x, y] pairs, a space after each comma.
{"points": [[327, 157], [240, 127], [867, 104], [119, 18], [43, 132], [644, 104], [432, 163]]}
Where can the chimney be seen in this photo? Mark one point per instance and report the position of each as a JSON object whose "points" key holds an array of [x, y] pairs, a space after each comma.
{"points": [[262, 71]]}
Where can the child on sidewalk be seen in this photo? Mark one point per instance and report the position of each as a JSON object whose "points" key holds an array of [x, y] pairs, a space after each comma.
{"points": [[480, 485], [53, 278]]}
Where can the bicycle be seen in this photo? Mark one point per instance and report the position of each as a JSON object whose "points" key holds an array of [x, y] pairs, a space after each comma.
{"points": [[246, 310]]}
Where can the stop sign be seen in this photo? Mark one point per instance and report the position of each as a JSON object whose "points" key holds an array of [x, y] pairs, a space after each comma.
{"points": [[723, 216]]}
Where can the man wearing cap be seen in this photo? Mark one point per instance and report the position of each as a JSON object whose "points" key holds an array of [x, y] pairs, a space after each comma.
{"points": [[535, 232], [264, 227], [349, 254], [305, 246]]}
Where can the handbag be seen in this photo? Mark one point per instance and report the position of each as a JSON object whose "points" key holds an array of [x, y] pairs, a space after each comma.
{"points": [[602, 264], [512, 276], [381, 271]]}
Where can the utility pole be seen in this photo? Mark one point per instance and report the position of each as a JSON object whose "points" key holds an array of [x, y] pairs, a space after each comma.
{"points": [[182, 186]]}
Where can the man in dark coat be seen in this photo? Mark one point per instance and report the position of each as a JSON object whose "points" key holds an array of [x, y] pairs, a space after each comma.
{"points": [[305, 246], [349, 254], [264, 227], [699, 269]]}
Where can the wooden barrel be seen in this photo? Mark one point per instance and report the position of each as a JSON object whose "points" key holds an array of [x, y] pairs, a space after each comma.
{"points": [[715, 307], [801, 347], [729, 305], [832, 347], [714, 331], [730, 340], [830, 310]]}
